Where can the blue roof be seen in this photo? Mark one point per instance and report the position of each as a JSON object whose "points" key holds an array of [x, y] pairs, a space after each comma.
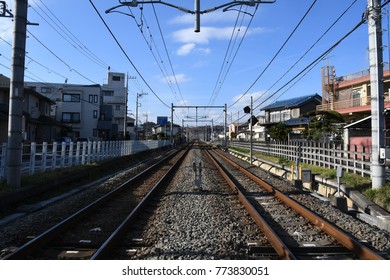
{"points": [[293, 102]]}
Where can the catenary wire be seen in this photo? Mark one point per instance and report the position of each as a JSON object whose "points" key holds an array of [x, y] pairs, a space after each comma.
{"points": [[277, 53], [126, 55]]}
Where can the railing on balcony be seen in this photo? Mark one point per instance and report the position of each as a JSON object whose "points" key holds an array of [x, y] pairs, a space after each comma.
{"points": [[345, 104], [350, 103]]}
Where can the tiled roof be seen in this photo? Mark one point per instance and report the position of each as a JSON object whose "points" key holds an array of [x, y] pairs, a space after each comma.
{"points": [[293, 102]]}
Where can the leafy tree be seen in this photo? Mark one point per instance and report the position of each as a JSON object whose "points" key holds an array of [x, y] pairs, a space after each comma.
{"points": [[323, 124], [279, 132]]}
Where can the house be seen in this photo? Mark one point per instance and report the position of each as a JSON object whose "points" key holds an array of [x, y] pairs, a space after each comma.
{"points": [[91, 111], [350, 95], [38, 125], [290, 112], [236, 129], [165, 130]]}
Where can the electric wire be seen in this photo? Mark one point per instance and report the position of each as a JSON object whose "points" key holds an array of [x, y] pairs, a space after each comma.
{"points": [[166, 52], [277, 53], [160, 61], [60, 59], [308, 50], [67, 35], [314, 62], [125, 53]]}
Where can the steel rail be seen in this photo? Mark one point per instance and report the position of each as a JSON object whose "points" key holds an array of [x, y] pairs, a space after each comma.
{"points": [[280, 247], [48, 235], [362, 251], [116, 236]]}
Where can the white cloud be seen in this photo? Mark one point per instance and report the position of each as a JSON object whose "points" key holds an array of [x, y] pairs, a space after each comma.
{"points": [[180, 78], [187, 35], [185, 49]]}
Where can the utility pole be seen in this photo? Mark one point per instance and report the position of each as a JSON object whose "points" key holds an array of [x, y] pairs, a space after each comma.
{"points": [[250, 136], [136, 113], [377, 95], [15, 117], [125, 115]]}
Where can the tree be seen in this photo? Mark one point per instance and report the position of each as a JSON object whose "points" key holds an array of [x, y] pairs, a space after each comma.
{"points": [[279, 132], [323, 125]]}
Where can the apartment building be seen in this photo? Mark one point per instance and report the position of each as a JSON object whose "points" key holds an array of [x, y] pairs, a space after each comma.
{"points": [[89, 111]]}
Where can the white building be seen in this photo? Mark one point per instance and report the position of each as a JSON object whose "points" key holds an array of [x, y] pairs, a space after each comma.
{"points": [[93, 111]]}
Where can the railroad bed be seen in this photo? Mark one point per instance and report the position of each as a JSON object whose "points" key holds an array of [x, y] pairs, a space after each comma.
{"points": [[194, 214]]}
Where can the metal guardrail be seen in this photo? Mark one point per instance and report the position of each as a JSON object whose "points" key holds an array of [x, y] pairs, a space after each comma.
{"points": [[49, 156]]}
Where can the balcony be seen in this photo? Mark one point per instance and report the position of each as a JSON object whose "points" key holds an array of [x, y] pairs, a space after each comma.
{"points": [[351, 105]]}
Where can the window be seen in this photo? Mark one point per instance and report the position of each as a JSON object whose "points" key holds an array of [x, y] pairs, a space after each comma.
{"points": [[355, 97], [295, 113], [70, 97], [285, 114], [117, 107], [108, 93], [116, 78], [275, 117], [71, 117], [95, 114], [95, 132], [45, 90], [93, 98]]}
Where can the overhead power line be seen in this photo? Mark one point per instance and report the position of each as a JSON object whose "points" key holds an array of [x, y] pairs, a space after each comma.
{"points": [[309, 49], [59, 27], [126, 55], [60, 59], [276, 54]]}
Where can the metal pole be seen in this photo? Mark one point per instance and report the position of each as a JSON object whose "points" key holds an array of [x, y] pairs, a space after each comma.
{"points": [[136, 117], [225, 130], [15, 117], [197, 15], [250, 131], [172, 142], [377, 97], [125, 115]]}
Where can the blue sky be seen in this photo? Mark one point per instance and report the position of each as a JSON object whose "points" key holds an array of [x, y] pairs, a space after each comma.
{"points": [[187, 68]]}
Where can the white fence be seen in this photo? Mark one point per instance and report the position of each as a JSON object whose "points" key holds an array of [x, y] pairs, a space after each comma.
{"points": [[48, 156], [354, 159]]}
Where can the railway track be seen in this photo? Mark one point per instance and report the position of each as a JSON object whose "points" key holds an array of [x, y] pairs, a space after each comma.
{"points": [[294, 231], [195, 205], [85, 232]]}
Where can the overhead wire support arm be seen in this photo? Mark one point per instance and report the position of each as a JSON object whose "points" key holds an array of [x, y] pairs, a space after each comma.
{"points": [[197, 11], [4, 12]]}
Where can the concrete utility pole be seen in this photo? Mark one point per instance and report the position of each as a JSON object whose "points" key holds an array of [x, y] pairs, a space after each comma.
{"points": [[15, 117], [377, 95], [136, 112]]}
